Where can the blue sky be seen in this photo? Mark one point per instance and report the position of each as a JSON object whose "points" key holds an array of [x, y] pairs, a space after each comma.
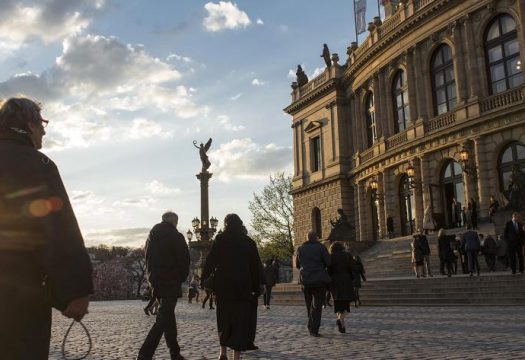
{"points": [[129, 84]]}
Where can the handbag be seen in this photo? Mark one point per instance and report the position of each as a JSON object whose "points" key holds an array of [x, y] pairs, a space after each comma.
{"points": [[210, 283]]}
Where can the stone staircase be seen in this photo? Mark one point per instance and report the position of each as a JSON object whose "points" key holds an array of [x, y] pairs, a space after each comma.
{"points": [[391, 280], [498, 289]]}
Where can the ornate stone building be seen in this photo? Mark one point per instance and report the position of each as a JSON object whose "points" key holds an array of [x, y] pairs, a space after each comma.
{"points": [[430, 107]]}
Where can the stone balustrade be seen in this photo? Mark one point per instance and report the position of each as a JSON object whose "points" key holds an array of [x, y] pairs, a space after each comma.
{"points": [[509, 97], [396, 140], [440, 122]]}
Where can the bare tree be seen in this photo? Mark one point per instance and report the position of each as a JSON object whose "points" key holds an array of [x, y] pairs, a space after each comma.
{"points": [[136, 267], [272, 216]]}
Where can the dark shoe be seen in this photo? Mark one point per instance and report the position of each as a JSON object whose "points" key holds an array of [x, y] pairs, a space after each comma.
{"points": [[223, 357], [339, 326], [344, 330], [315, 334], [178, 357], [252, 347], [212, 308], [146, 311]]}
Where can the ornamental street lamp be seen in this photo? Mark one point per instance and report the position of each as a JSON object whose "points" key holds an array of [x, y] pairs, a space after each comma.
{"points": [[411, 172], [471, 170], [374, 188]]}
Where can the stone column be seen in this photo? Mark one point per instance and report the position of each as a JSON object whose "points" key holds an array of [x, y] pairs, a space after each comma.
{"points": [[355, 189], [472, 60], [354, 126], [421, 75], [412, 86], [296, 152], [391, 198], [378, 100], [418, 194], [484, 172], [459, 62], [364, 222], [386, 114], [520, 24], [426, 180], [469, 181], [381, 217]]}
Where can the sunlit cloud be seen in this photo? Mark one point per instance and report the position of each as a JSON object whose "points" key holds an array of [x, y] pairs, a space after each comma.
{"points": [[158, 188], [224, 15], [242, 158], [257, 82]]}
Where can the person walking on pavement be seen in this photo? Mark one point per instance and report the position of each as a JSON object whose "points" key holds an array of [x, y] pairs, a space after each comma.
{"points": [[417, 256], [312, 260], [269, 282], [358, 274], [234, 260], [425, 248], [342, 286], [167, 267], [445, 252], [209, 296], [515, 238], [43, 260], [472, 248], [490, 250]]}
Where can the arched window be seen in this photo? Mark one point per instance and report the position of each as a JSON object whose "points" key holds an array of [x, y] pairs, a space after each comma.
{"points": [[370, 120], [443, 80], [511, 156], [503, 55], [400, 99], [316, 222]]}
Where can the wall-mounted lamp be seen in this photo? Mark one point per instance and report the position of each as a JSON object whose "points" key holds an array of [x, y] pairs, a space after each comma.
{"points": [[471, 170]]}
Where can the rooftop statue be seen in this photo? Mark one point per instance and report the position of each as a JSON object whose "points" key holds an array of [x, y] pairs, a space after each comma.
{"points": [[203, 149], [302, 79], [326, 56]]}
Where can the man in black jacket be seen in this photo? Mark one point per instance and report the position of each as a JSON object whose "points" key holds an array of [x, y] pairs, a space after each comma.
{"points": [[168, 266], [515, 237], [312, 261], [40, 241]]}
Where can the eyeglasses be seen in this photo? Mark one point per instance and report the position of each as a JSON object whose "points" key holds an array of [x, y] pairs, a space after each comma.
{"points": [[45, 123]]}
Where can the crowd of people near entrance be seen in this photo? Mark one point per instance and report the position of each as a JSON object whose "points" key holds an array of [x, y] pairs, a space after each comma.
{"points": [[461, 250]]}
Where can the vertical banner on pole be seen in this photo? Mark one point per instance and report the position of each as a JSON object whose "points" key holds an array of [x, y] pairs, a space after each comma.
{"points": [[360, 16]]}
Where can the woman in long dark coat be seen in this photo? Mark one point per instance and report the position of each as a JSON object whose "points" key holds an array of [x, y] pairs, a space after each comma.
{"points": [[340, 271], [446, 253], [235, 260]]}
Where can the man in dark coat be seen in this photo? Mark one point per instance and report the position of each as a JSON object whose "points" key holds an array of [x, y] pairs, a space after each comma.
{"points": [[168, 266], [269, 282], [515, 237], [472, 248], [40, 241], [490, 250], [425, 247], [312, 261]]}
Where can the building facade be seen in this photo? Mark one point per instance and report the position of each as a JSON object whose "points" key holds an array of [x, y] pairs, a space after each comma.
{"points": [[428, 110]]}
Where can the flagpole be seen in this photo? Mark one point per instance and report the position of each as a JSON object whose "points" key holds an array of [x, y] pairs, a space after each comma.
{"points": [[355, 23]]}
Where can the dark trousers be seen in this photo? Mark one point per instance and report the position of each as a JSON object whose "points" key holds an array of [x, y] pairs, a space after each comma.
{"points": [[209, 295], [490, 259], [166, 324], [25, 321], [313, 298], [252, 330], [516, 252], [267, 294], [446, 266], [473, 263]]}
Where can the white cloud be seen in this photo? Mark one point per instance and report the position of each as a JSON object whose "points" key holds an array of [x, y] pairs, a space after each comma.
{"points": [[257, 82], [135, 237], [158, 188], [143, 128], [140, 202], [225, 122], [87, 203], [185, 59], [259, 21], [224, 15], [94, 81], [242, 158], [236, 97], [291, 74], [48, 21]]}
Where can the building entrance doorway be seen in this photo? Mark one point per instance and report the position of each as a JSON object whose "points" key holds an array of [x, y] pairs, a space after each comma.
{"points": [[407, 206], [452, 187]]}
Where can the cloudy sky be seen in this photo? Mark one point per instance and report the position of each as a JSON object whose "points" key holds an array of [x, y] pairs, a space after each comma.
{"points": [[129, 84]]}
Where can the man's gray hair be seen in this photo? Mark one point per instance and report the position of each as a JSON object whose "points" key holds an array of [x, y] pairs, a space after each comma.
{"points": [[170, 216], [18, 113]]}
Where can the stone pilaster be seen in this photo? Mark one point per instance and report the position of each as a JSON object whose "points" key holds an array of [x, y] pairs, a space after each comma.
{"points": [[484, 171], [381, 217], [423, 102], [364, 223], [471, 60], [418, 194], [412, 87], [459, 62], [391, 199]]}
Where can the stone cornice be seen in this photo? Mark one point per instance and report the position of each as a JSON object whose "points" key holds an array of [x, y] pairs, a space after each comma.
{"points": [[319, 92], [318, 183]]}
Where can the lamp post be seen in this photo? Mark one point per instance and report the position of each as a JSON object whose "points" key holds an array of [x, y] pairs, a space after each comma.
{"points": [[471, 170], [374, 188], [412, 182]]}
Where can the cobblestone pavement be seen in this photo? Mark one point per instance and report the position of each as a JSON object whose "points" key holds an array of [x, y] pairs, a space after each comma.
{"points": [[119, 327]]}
